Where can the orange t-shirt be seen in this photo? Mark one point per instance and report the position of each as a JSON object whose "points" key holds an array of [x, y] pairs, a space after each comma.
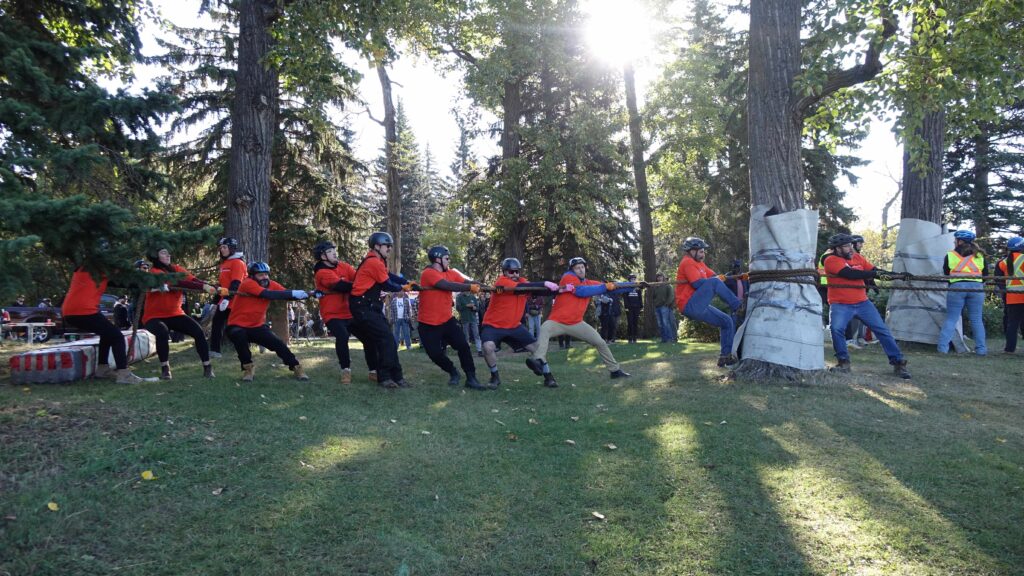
{"points": [[1011, 297], [506, 308], [436, 305], [165, 304], [83, 298], [691, 271], [568, 308], [250, 311], [230, 270], [371, 272], [833, 264], [334, 305]]}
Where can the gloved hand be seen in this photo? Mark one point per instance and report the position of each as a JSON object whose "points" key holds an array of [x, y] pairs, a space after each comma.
{"points": [[744, 276], [211, 290], [299, 294], [499, 289], [721, 277], [551, 285], [161, 288], [609, 286], [410, 287], [318, 294], [643, 285], [222, 291], [474, 288], [570, 288], [223, 304]]}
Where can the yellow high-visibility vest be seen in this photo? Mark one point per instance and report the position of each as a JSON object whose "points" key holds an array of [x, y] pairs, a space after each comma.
{"points": [[965, 269], [821, 269]]}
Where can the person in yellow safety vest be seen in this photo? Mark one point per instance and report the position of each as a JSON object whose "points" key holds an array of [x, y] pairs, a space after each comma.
{"points": [[965, 265], [1013, 310], [823, 283]]}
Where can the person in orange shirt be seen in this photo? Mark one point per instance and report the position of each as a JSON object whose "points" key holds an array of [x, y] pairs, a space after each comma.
{"points": [[567, 318], [437, 327], [1013, 308], [248, 320], [503, 319], [372, 278], [847, 298], [162, 312], [333, 278], [81, 309], [702, 285], [232, 272]]}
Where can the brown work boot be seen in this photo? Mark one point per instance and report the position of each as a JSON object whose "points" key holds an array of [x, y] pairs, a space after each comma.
{"points": [[843, 367], [125, 376], [372, 376], [299, 374], [900, 369], [346, 376], [165, 372], [248, 372], [104, 371]]}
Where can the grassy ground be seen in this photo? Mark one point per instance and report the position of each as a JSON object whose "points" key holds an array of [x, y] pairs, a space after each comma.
{"points": [[866, 474]]}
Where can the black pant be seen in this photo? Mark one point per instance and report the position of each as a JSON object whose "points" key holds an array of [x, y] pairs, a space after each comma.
{"points": [[632, 323], [241, 337], [370, 320], [607, 328], [341, 329], [220, 320], [435, 338], [161, 327], [1014, 322], [110, 337]]}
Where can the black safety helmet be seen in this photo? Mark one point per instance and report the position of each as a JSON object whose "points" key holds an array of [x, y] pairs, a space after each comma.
{"points": [[140, 263], [436, 252], [380, 238], [511, 264], [695, 243], [857, 238], [231, 243], [837, 240], [577, 260], [321, 248], [258, 267]]}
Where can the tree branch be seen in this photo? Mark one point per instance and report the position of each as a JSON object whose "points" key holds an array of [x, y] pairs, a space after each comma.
{"points": [[370, 114], [459, 52]]}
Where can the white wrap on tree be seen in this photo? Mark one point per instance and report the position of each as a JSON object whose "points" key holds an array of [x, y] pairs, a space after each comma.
{"points": [[783, 322], [917, 316]]}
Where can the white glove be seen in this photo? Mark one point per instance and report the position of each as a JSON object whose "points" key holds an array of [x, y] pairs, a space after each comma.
{"points": [[224, 302], [299, 294], [551, 285]]}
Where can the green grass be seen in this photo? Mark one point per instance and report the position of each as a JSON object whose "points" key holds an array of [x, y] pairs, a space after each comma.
{"points": [[866, 474]]}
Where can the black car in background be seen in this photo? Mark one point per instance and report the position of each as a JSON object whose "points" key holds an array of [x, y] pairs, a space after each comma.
{"points": [[45, 314]]}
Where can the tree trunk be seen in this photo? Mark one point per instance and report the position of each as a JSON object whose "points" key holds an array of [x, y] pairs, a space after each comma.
{"points": [[394, 216], [922, 190], [980, 191], [512, 111], [643, 198]]}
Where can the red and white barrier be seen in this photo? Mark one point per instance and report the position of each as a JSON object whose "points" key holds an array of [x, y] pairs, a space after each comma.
{"points": [[77, 361]]}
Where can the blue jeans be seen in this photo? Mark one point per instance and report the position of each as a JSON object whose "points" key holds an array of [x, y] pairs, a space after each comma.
{"points": [[533, 324], [699, 308], [403, 333], [955, 304], [841, 314], [666, 317], [472, 331]]}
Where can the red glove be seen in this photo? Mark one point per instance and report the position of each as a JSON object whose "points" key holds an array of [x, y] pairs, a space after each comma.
{"points": [[610, 286], [721, 277]]}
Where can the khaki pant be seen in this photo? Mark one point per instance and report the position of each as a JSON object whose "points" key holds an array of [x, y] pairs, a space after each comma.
{"points": [[581, 331]]}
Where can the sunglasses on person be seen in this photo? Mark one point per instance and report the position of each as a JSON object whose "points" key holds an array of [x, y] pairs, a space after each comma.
{"points": [[512, 271]]}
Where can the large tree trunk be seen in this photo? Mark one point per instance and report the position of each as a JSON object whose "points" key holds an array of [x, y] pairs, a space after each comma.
{"points": [[922, 190], [643, 198], [980, 213], [512, 111], [394, 215]]}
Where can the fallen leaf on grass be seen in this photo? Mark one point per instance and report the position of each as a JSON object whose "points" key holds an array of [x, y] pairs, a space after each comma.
{"points": [[574, 418], [26, 389], [512, 437], [302, 417], [208, 438], [570, 442], [1001, 440], [500, 422], [532, 420], [218, 491], [966, 416], [597, 515], [708, 424], [148, 475], [304, 465], [611, 446], [10, 517], [722, 422], [53, 506], [494, 410], [425, 433], [393, 421]]}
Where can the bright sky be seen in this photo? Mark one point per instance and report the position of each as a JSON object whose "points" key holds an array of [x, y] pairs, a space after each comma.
{"points": [[429, 98]]}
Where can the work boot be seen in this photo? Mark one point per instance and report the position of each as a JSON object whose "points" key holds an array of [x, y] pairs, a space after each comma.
{"points": [[619, 374], [388, 383], [727, 360], [454, 377], [472, 382], [372, 376], [900, 369], [248, 372], [165, 372], [843, 367], [215, 354], [125, 376], [104, 371], [208, 371], [299, 373], [549, 381], [536, 365], [403, 383], [346, 376], [494, 382]]}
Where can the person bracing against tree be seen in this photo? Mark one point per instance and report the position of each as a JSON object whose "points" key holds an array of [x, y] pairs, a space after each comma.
{"points": [[438, 329], [1012, 267], [81, 309], [965, 266], [334, 279], [232, 272], [163, 312], [566, 318], [502, 321], [694, 297], [847, 298], [372, 278], [248, 321]]}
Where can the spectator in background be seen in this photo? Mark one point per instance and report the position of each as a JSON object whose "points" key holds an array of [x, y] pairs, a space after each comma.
{"points": [[467, 305], [19, 301], [603, 304], [122, 318], [663, 300], [402, 312], [45, 303], [634, 300], [615, 310], [534, 311]]}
